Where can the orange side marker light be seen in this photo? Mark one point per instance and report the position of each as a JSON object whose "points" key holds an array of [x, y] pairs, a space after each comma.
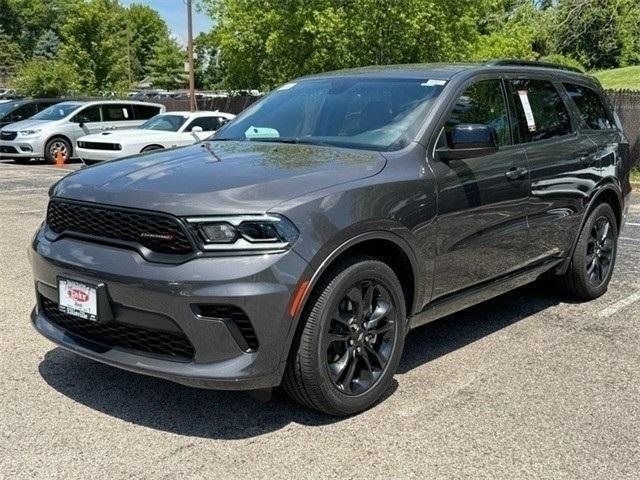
{"points": [[296, 302]]}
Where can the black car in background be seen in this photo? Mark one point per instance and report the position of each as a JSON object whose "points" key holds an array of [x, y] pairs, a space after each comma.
{"points": [[312, 232], [17, 110]]}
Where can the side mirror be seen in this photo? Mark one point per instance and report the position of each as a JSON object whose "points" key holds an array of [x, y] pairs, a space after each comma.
{"points": [[469, 140], [82, 119], [197, 130]]}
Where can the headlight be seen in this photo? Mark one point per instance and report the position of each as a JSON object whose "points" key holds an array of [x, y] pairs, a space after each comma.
{"points": [[26, 133], [244, 233]]}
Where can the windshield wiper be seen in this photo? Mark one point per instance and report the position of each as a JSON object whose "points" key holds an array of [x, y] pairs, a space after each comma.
{"points": [[290, 140]]}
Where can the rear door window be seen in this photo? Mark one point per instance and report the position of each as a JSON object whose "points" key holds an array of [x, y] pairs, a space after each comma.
{"points": [[592, 109], [482, 103], [117, 113], [540, 111]]}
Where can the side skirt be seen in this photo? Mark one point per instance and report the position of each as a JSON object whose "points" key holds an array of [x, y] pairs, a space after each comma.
{"points": [[478, 294]]}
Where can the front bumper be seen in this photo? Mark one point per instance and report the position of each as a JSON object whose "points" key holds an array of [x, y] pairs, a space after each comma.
{"points": [[90, 155], [22, 148], [260, 285]]}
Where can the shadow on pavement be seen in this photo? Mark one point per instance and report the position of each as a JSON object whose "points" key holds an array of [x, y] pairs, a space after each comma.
{"points": [[174, 408]]}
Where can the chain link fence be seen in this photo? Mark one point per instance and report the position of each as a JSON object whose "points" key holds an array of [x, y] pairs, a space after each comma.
{"points": [[625, 102], [627, 105]]}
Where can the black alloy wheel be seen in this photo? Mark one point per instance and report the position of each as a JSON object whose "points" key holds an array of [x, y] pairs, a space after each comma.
{"points": [[360, 337], [350, 340], [600, 251]]}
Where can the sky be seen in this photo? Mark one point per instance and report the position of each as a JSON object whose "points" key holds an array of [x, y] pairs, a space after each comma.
{"points": [[174, 13]]}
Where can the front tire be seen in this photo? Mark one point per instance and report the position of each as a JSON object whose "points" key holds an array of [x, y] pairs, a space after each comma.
{"points": [[594, 257], [53, 146], [344, 359]]}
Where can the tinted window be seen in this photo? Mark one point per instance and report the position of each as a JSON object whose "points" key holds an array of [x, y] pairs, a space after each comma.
{"points": [[167, 123], [368, 113], [23, 112], [145, 112], [208, 124], [6, 108], [116, 113], [540, 111], [592, 110], [41, 106], [482, 103], [88, 115]]}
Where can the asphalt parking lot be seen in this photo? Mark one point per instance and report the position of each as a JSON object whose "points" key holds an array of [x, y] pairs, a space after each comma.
{"points": [[528, 385]]}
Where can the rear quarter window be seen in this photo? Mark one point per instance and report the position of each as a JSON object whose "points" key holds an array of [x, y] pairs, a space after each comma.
{"points": [[540, 111], [591, 107], [145, 112]]}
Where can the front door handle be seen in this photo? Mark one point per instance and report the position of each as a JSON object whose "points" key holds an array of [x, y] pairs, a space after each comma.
{"points": [[516, 173]]}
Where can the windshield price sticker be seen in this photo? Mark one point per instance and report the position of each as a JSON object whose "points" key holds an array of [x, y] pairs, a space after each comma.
{"points": [[528, 113]]}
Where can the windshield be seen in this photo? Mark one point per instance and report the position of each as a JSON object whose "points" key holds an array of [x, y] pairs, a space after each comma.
{"points": [[57, 112], [167, 123], [368, 113]]}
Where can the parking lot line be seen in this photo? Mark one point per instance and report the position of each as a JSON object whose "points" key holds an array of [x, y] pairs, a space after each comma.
{"points": [[627, 239], [619, 305], [18, 190], [633, 224]]}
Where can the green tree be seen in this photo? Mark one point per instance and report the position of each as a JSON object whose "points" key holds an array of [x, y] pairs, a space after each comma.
{"points": [[10, 57], [47, 45], [266, 43], [146, 30], [95, 47], [596, 32], [209, 72], [166, 67], [46, 78]]}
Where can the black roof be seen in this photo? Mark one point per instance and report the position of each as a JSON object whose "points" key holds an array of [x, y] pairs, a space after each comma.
{"points": [[445, 71]]}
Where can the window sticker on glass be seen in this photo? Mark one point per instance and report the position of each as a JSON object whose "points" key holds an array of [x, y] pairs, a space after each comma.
{"points": [[125, 113], [433, 83], [261, 132], [528, 113]]}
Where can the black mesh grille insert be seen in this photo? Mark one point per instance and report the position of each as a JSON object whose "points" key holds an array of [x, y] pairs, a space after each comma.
{"points": [[8, 135], [114, 334], [158, 233], [99, 146], [236, 318]]}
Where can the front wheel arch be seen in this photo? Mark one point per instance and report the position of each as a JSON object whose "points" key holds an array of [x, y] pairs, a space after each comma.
{"points": [[151, 148]]}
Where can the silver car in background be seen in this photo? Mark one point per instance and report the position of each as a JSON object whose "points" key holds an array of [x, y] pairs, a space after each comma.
{"points": [[57, 128]]}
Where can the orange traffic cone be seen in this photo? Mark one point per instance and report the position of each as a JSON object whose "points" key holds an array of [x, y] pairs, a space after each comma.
{"points": [[59, 159]]}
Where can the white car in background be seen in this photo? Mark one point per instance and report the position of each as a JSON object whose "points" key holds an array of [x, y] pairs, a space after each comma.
{"points": [[167, 130]]}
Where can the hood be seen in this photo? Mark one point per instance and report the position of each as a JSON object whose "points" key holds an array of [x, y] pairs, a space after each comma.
{"points": [[129, 134], [26, 125], [216, 178]]}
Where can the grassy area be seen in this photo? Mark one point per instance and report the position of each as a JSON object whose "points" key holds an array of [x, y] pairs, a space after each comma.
{"points": [[635, 175], [619, 78]]}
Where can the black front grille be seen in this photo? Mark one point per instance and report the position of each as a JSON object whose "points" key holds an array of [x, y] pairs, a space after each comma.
{"points": [[237, 321], [158, 233], [8, 135], [100, 146], [122, 335]]}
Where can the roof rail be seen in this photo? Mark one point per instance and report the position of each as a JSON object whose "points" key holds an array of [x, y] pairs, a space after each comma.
{"points": [[529, 63]]}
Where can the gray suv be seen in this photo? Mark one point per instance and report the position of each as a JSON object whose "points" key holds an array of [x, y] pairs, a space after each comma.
{"points": [[304, 240]]}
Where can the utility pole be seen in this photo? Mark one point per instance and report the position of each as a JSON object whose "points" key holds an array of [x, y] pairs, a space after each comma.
{"points": [[192, 88]]}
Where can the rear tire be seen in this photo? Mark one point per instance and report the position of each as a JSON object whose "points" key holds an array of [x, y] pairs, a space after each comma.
{"points": [[344, 359], [594, 257]]}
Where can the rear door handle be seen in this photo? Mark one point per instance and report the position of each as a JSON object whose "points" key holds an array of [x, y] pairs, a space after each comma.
{"points": [[516, 173]]}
